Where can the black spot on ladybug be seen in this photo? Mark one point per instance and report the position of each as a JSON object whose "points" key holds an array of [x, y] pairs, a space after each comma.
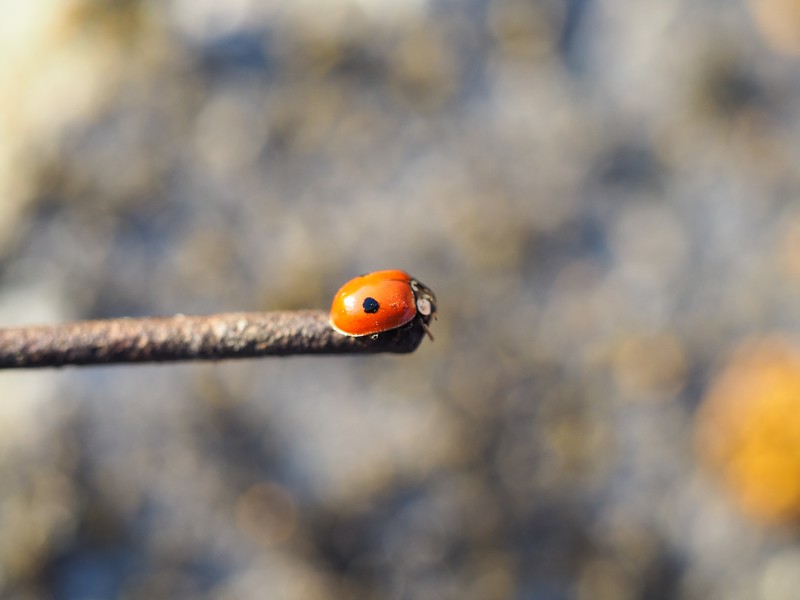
{"points": [[370, 305]]}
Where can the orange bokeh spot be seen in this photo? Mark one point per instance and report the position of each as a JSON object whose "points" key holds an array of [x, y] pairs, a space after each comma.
{"points": [[779, 23], [748, 428]]}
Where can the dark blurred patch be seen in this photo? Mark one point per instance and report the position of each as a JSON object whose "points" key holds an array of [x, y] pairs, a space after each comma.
{"points": [[110, 553], [631, 165], [361, 64], [571, 42], [728, 86], [88, 572], [662, 579], [399, 540], [103, 551], [731, 88], [240, 53], [577, 238], [253, 453]]}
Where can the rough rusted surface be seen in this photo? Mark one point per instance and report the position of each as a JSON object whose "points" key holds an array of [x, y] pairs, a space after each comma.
{"points": [[178, 338]]}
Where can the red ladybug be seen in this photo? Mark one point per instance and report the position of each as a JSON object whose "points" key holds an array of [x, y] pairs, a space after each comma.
{"points": [[380, 301]]}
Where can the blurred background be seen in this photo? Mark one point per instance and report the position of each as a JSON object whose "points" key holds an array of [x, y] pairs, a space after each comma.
{"points": [[605, 197]]}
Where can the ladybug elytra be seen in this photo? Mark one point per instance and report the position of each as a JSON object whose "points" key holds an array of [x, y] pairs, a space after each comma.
{"points": [[381, 301]]}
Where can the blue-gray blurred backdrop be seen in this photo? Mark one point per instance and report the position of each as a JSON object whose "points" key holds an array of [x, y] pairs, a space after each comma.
{"points": [[603, 194]]}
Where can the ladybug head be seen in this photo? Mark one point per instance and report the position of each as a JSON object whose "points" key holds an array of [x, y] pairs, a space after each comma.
{"points": [[426, 302]]}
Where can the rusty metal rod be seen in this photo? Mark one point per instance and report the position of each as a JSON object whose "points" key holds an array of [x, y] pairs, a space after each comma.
{"points": [[179, 338]]}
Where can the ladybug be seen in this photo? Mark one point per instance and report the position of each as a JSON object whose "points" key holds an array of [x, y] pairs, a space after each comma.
{"points": [[381, 301]]}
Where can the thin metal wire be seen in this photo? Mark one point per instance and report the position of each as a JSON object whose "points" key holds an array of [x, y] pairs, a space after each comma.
{"points": [[181, 338]]}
